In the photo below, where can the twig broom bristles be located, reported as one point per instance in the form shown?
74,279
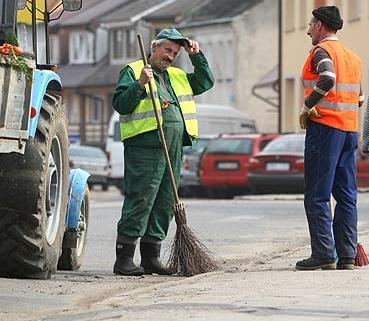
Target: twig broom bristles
188,255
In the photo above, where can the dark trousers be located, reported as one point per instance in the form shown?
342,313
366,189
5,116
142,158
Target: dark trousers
330,168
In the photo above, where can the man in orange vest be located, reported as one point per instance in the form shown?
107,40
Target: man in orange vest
332,85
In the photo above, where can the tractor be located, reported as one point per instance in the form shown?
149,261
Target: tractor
44,207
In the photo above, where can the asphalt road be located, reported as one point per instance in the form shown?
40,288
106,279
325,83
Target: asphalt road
237,231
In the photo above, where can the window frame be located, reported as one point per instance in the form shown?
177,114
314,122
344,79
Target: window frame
88,56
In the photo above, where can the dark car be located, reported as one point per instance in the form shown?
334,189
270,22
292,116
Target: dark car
92,160
279,168
189,184
225,162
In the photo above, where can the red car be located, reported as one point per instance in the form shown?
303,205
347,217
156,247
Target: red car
279,168
225,162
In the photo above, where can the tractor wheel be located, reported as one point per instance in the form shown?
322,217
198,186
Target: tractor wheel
71,259
33,200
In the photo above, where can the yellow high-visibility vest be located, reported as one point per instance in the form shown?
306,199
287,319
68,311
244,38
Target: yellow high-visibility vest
143,117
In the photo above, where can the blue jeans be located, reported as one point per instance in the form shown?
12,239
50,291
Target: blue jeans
330,168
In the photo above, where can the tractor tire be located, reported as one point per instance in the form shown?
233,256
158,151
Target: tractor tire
33,200
71,258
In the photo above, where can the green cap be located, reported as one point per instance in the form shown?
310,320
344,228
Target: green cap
172,34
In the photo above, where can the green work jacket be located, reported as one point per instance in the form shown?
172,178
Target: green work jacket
128,95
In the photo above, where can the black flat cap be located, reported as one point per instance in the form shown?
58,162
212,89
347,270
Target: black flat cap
329,15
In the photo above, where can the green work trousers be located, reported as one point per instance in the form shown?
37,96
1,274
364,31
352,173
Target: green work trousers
148,203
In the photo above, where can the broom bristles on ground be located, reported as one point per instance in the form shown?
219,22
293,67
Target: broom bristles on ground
189,256
361,257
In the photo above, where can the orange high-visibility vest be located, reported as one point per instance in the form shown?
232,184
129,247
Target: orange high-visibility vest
339,107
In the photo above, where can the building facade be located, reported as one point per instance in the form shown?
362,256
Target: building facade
295,46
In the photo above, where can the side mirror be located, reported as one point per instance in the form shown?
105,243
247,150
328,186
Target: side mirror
72,5
21,4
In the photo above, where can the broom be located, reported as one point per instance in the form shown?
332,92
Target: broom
361,258
188,256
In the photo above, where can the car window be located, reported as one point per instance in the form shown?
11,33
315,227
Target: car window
263,143
230,146
293,144
117,131
197,148
87,152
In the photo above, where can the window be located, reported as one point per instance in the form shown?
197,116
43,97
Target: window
123,44
230,146
81,47
95,111
117,132
54,49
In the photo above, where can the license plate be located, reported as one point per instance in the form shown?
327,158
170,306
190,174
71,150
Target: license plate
277,166
227,166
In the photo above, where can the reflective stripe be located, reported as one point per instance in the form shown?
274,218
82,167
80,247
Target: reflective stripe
185,98
137,116
337,106
329,61
190,116
320,91
328,74
337,87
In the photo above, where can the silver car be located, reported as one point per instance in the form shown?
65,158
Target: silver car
92,160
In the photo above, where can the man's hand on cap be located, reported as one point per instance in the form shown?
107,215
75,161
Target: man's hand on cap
192,47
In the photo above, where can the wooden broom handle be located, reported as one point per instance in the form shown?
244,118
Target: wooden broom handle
160,127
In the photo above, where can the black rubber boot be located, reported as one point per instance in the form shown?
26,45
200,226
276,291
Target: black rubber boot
316,264
124,262
346,264
150,259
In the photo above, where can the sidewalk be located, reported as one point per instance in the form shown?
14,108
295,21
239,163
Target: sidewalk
268,290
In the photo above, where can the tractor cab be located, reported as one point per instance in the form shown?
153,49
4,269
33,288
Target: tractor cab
25,23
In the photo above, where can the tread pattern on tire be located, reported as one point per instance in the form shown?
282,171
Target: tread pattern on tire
23,249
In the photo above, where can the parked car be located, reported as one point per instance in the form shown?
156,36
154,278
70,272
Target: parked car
225,163
93,160
189,184
279,168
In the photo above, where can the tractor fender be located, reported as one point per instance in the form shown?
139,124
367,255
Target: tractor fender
77,182
42,80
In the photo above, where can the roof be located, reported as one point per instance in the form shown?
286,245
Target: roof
92,10
104,75
75,75
174,10
134,10
218,9
269,79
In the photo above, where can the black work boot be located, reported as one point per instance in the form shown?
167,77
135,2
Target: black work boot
345,264
316,263
125,250
150,258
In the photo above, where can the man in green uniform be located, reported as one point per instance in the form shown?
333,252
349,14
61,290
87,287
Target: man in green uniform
148,205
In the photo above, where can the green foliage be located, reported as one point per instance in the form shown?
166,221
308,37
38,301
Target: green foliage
11,38
18,63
